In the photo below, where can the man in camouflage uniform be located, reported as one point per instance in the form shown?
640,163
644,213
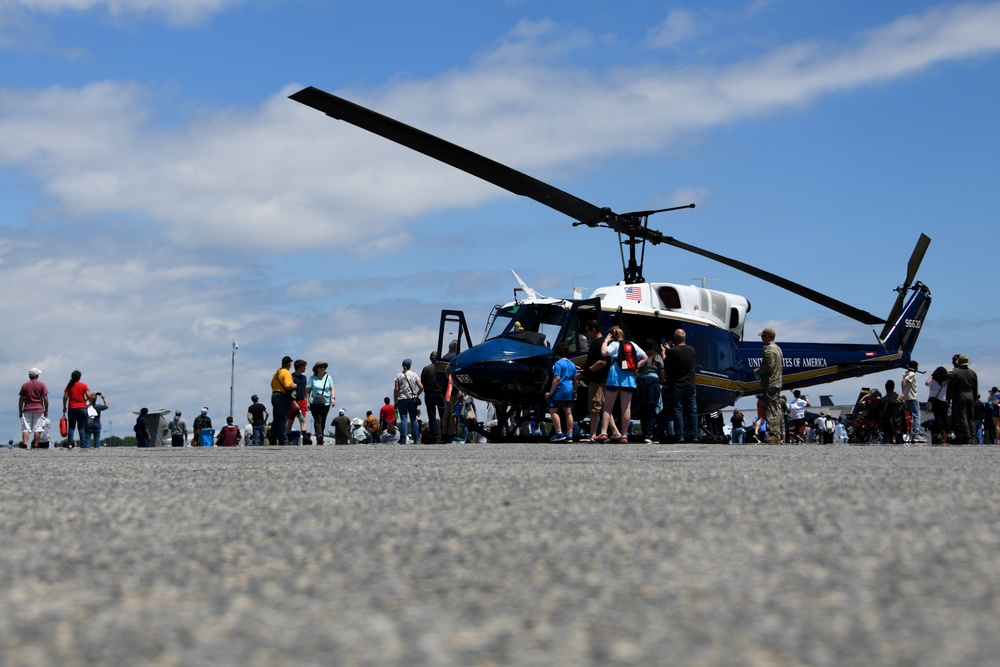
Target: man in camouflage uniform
770,384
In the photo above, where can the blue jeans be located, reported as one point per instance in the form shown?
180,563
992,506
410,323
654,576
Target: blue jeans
435,408
914,407
649,398
91,436
686,413
281,403
407,408
77,418
257,439
738,436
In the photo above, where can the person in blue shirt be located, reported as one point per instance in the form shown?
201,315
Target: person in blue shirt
562,393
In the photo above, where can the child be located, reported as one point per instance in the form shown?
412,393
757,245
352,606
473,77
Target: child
562,393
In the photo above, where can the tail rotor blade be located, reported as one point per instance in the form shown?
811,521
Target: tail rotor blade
911,273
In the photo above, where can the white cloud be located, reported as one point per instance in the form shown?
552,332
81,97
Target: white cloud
681,25
233,175
174,11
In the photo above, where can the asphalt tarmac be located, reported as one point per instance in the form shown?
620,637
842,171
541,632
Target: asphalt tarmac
501,554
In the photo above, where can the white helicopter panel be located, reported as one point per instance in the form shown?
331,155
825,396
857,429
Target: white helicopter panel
721,309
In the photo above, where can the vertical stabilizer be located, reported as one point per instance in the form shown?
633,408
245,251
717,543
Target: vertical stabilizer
901,334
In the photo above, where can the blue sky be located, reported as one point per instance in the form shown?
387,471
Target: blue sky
160,196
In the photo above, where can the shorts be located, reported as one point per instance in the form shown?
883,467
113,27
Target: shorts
302,407
32,422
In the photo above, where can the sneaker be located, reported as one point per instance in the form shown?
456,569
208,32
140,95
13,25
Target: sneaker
601,437
558,437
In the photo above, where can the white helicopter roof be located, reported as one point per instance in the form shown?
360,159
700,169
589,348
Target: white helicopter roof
686,302
720,309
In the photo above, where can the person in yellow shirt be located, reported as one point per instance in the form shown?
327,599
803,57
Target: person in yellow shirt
282,388
371,426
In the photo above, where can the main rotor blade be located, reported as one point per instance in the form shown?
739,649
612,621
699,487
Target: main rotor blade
822,299
911,272
456,156
521,184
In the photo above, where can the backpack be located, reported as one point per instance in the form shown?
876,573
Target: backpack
627,357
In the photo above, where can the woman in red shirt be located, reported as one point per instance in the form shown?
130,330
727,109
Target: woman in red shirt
75,399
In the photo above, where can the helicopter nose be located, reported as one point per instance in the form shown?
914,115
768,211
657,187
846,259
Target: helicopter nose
502,370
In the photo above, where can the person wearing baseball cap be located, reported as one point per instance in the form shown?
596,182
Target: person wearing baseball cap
909,389
770,384
32,408
963,388
282,393
406,392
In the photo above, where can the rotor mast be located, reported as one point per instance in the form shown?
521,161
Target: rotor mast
633,230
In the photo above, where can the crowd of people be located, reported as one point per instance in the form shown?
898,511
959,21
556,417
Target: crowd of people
81,412
296,398
616,371
959,415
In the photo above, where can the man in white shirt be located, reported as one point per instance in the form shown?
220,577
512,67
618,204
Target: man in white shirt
797,410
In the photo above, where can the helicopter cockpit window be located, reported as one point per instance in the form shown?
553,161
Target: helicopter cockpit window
538,324
501,321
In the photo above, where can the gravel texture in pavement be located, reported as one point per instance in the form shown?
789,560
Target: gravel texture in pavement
519,554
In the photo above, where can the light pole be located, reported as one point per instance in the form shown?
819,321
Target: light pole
232,377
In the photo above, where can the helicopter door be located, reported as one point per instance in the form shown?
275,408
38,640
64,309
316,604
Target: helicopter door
572,333
451,333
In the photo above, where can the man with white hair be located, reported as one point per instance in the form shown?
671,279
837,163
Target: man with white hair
32,407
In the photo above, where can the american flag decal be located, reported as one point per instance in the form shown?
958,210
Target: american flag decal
633,293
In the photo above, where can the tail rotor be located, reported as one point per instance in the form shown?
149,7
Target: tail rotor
911,273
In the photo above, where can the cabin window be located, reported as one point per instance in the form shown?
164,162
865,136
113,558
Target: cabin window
719,303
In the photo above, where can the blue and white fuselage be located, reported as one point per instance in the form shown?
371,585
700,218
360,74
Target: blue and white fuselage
513,364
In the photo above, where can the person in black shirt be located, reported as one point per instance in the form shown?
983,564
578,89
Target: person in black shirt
433,398
679,364
594,373
257,415
200,422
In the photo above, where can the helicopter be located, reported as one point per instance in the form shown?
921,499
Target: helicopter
512,365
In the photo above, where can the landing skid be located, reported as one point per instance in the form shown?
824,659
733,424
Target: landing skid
512,425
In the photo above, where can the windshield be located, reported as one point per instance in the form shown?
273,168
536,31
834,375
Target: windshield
538,324
499,321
